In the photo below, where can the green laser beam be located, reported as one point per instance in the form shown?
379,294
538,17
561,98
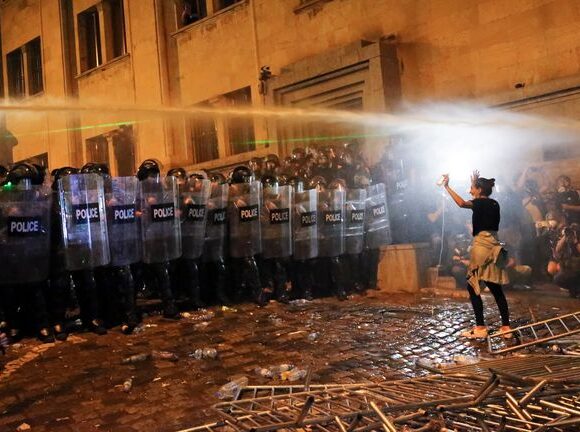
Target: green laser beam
79,128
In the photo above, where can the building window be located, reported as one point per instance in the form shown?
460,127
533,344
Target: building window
204,140
89,39
117,27
240,129
191,11
34,65
15,69
98,149
222,4
24,69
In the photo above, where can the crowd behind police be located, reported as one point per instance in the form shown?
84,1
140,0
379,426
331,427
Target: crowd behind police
309,225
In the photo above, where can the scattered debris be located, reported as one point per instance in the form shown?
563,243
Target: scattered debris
535,333
204,353
23,427
136,358
232,389
164,355
128,385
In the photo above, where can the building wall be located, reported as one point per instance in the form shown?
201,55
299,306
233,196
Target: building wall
444,50
22,21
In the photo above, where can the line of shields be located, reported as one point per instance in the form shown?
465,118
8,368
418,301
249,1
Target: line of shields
526,393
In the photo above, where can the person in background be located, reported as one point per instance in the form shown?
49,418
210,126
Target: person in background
487,257
568,198
565,266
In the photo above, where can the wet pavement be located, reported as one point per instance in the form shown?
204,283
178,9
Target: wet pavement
78,385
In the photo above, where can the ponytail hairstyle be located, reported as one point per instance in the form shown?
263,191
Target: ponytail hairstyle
486,185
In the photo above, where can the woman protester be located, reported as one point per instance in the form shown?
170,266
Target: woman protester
487,257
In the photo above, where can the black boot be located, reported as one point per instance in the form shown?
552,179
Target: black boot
59,333
96,327
45,336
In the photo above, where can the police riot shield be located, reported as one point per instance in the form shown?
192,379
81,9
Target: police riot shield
355,220
331,222
304,222
160,225
24,234
377,226
244,212
216,230
193,203
84,221
276,220
121,196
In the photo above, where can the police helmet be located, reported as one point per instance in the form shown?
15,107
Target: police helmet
297,183
242,174
101,169
148,168
217,177
200,175
60,173
317,182
361,179
298,154
179,173
269,181
25,171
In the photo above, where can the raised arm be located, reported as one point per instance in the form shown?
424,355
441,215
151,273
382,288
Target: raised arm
458,200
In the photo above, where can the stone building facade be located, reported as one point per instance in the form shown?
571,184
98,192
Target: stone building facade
369,55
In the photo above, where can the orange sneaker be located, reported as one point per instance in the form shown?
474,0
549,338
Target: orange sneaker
476,332
508,334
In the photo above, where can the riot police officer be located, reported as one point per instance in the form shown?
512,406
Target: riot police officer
305,238
60,278
193,196
24,249
160,230
276,220
117,286
85,240
245,233
354,229
214,256
331,272
377,231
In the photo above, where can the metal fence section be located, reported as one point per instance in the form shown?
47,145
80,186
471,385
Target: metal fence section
553,368
534,333
318,407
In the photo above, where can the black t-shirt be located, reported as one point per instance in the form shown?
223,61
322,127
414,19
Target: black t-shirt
485,215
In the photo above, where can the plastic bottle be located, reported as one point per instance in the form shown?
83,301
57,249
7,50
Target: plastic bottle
128,385
296,375
232,389
135,358
276,370
210,353
263,372
164,355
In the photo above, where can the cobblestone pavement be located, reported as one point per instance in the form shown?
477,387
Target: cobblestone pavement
77,385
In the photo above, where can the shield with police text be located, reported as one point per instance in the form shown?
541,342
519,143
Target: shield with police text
377,226
331,222
304,223
276,219
24,234
121,195
244,216
160,224
355,220
84,221
216,229
193,202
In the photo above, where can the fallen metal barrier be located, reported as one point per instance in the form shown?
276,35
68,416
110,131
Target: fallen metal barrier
554,368
534,333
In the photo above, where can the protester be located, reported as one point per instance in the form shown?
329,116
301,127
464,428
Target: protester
487,256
